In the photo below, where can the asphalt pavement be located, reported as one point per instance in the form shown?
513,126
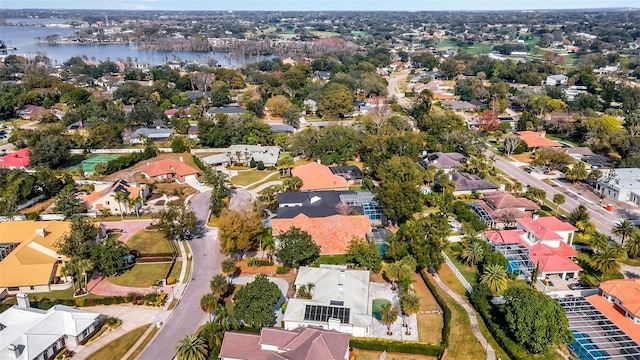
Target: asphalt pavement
603,220
187,315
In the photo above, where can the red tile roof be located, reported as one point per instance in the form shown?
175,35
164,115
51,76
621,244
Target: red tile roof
537,140
317,177
18,159
627,291
545,228
167,166
613,313
332,233
549,259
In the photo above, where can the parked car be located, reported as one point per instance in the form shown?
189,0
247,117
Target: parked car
579,286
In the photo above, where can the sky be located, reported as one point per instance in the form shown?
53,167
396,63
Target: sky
296,5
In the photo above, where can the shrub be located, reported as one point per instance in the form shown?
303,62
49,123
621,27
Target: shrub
260,166
256,262
446,311
408,347
80,302
130,296
171,280
281,270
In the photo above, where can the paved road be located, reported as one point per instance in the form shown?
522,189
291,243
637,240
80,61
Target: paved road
601,218
392,87
187,316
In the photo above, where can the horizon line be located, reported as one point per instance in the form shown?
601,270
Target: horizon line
336,10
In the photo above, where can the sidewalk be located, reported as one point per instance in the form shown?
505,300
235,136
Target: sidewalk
491,354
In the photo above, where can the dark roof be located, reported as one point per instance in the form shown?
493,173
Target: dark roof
443,160
193,130
282,128
349,172
468,182
193,95
313,204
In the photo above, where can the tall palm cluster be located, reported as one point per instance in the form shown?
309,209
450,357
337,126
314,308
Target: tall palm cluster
207,342
399,274
474,252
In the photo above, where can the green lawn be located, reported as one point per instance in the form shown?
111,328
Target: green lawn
469,273
273,177
118,347
141,275
150,242
247,177
62,294
175,272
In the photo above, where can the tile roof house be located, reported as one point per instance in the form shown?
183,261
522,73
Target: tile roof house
332,233
339,300
168,170
499,209
28,333
303,343
16,160
548,242
467,183
29,260
619,301
443,161
103,197
316,176
536,140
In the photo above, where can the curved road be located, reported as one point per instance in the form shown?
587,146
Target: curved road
187,316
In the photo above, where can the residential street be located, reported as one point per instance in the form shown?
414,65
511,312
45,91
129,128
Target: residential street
393,89
603,219
187,316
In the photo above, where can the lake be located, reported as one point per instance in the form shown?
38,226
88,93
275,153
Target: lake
24,38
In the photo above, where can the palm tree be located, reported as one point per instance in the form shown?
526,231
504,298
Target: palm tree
558,199
229,267
71,269
473,253
133,202
269,246
410,304
623,229
598,241
192,347
388,315
84,265
394,272
495,278
120,198
213,334
225,319
633,245
606,260
208,303
219,285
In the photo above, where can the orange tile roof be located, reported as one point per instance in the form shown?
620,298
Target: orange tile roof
167,166
613,313
625,290
332,233
317,177
546,227
537,140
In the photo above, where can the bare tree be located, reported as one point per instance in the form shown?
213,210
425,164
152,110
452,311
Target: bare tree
510,144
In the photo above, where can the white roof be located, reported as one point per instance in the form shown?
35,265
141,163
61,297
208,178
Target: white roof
626,178
333,283
34,330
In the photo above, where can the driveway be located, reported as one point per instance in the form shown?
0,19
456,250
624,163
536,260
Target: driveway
195,183
187,316
630,272
241,200
130,227
100,285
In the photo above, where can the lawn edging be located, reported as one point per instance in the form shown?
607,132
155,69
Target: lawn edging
397,346
446,311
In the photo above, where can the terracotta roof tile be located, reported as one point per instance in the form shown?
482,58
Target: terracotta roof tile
537,140
545,228
613,313
317,176
332,233
625,290
19,158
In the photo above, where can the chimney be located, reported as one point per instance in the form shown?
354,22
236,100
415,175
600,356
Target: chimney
340,287
536,217
181,159
23,300
342,273
41,232
14,350
543,134
501,187
318,161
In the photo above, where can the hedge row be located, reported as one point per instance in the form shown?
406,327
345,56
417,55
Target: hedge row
398,346
199,163
46,303
126,161
446,311
482,305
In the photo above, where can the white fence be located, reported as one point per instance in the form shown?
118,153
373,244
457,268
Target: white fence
30,202
455,270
